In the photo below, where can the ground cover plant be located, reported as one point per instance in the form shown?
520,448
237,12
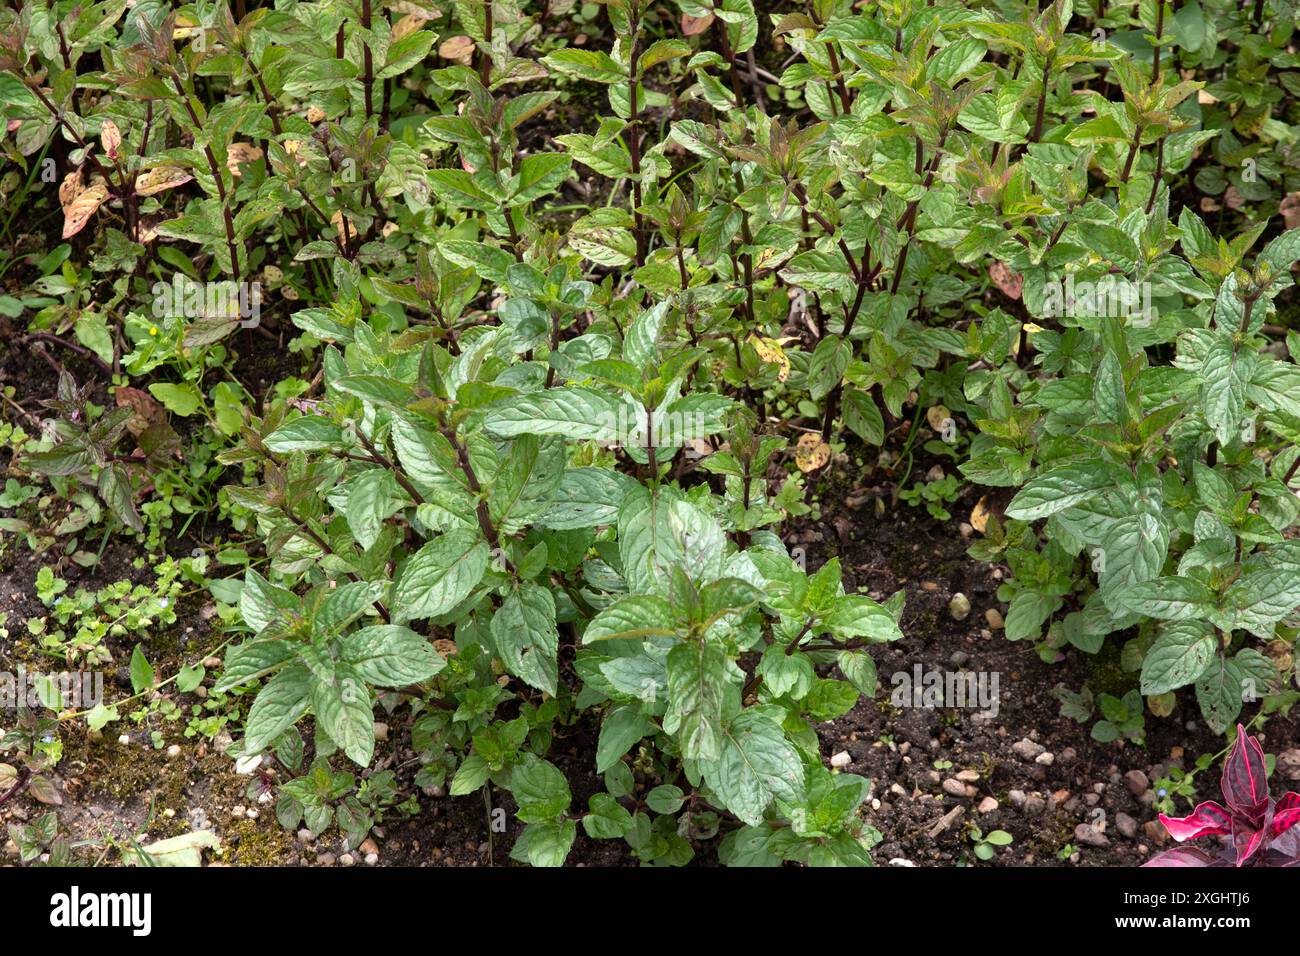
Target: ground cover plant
512,379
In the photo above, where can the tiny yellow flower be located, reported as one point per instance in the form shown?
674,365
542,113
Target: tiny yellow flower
153,330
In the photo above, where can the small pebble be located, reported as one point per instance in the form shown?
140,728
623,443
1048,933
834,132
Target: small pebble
1137,782
1090,836
954,788
1027,749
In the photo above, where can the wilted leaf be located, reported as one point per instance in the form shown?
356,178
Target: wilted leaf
457,49
936,415
160,178
71,187
347,231
408,25
145,411
694,26
239,153
184,850
1011,283
811,452
1290,210
43,789
110,138
78,212
770,351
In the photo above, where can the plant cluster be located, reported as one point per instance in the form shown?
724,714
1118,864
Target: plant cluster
560,394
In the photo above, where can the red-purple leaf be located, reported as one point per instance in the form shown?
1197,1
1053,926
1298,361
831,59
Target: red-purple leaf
1181,856
1245,779
1286,814
1208,819
1247,840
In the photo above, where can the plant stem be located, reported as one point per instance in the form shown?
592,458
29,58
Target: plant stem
1042,99
1160,171
382,459
81,350
909,217
746,257
324,545
24,777
471,479
485,58
215,170
634,143
1290,472
1132,153
845,100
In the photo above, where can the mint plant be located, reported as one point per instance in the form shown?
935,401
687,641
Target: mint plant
514,337
1151,483
458,495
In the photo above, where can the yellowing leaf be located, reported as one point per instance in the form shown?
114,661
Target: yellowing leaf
346,230
78,212
457,49
693,26
239,153
110,138
407,25
770,351
936,415
1290,210
292,147
979,515
1011,283
71,187
147,228
811,453
160,178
